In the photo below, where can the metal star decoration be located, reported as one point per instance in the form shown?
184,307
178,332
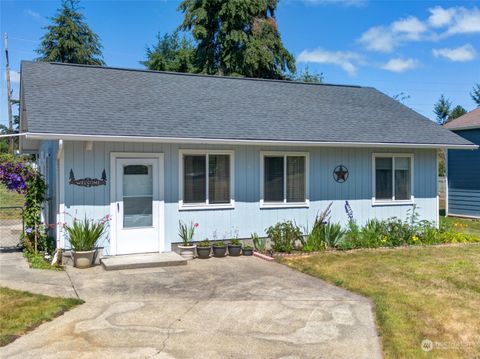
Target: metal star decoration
340,174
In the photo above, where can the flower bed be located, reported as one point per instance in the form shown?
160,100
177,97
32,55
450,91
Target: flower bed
286,236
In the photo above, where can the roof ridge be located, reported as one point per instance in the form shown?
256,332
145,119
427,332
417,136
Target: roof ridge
200,75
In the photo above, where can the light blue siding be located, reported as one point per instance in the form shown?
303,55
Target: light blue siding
464,178
48,167
247,216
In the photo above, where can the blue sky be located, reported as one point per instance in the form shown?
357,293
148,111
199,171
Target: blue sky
421,48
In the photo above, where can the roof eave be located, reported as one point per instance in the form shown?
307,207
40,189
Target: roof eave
219,141
461,128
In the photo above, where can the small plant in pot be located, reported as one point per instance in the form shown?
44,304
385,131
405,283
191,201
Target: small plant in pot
203,249
83,236
247,250
186,232
219,249
234,248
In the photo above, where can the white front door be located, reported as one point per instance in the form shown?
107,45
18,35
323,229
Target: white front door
137,205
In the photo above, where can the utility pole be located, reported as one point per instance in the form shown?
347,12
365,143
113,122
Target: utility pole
9,93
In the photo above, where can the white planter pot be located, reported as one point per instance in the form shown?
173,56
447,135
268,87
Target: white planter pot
187,252
83,259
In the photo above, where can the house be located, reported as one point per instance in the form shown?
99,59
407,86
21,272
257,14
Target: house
234,155
463,169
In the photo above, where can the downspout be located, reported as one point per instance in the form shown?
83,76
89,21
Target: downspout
61,203
446,182
60,149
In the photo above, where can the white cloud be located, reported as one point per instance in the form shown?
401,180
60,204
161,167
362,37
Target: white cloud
411,27
387,38
378,38
14,77
400,65
442,22
440,17
348,61
35,15
460,54
465,21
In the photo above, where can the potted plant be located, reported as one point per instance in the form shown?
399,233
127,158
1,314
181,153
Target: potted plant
234,248
247,250
203,249
186,232
219,249
83,236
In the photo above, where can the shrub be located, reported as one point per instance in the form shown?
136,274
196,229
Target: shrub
313,241
19,176
260,244
219,244
235,242
284,236
332,234
38,261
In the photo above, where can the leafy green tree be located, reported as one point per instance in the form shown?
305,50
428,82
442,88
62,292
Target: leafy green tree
475,94
456,112
171,53
442,110
401,97
307,76
4,130
237,38
69,39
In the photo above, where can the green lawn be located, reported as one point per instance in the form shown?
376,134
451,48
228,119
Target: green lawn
23,311
10,199
471,226
418,293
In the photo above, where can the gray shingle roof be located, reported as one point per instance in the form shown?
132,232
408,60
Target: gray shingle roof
90,100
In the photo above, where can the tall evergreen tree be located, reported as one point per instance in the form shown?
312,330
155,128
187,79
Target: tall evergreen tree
475,94
171,53
442,110
238,38
69,39
456,112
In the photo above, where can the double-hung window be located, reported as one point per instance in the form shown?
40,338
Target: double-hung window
392,178
284,179
206,179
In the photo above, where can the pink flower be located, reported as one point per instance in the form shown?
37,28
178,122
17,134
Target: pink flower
196,225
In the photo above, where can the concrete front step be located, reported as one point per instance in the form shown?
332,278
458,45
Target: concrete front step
131,261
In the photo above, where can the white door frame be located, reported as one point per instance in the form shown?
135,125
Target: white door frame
113,196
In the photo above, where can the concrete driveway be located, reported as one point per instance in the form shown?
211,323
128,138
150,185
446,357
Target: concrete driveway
217,308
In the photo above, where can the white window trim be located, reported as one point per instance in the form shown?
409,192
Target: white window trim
205,206
393,201
285,204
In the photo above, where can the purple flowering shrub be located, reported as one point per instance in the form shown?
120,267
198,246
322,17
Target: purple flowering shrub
22,178
14,175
